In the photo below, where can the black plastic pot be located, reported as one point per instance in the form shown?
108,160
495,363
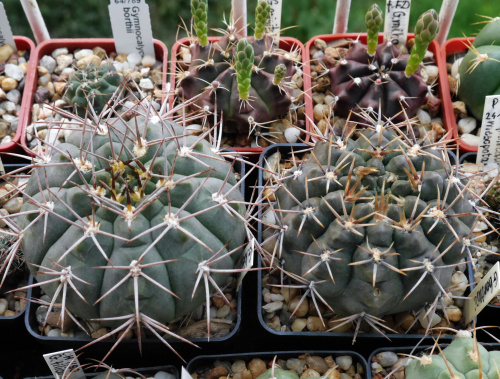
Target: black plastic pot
415,351
310,339
489,315
149,345
11,325
205,361
146,371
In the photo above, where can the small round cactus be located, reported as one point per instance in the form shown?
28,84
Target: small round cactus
477,67
92,85
240,79
381,75
463,358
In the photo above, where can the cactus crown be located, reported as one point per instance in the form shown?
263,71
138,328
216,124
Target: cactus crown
262,13
199,10
374,21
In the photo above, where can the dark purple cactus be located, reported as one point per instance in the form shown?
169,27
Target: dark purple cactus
212,73
359,80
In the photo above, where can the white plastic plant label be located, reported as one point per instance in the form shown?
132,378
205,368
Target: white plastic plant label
489,147
6,36
397,18
131,25
485,291
185,374
59,361
274,24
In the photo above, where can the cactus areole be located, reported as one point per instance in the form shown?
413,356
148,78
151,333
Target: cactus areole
370,75
371,225
239,79
134,216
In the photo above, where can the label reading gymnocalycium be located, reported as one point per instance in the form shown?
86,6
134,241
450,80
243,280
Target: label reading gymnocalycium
246,261
486,290
274,23
131,25
6,36
489,146
397,18
64,362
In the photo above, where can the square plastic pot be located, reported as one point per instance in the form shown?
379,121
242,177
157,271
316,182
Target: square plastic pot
127,345
286,43
433,47
489,315
108,44
22,43
450,47
11,325
203,361
298,339
146,371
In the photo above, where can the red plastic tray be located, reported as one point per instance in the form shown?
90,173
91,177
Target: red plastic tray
108,44
454,45
286,43
22,43
433,47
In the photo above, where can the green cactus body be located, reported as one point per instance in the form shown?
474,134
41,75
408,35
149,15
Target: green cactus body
217,67
278,374
370,230
462,356
369,75
164,164
199,10
94,85
478,69
262,13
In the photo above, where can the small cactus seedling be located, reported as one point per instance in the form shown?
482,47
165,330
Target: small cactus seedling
370,226
241,81
479,67
372,74
92,84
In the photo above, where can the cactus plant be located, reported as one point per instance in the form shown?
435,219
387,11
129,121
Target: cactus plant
483,58
131,223
92,84
463,358
372,226
242,80
368,75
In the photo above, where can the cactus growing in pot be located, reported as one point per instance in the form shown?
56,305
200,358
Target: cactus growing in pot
483,58
241,80
369,74
131,223
372,226
463,358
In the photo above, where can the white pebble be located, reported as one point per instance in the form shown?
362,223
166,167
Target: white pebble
146,84
3,306
273,307
118,66
458,283
471,139
292,135
14,96
387,358
48,62
134,59
318,54
43,80
480,226
432,72
54,333
344,361
492,167
14,71
163,375
424,319
60,51
467,125
148,61
424,117
83,53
